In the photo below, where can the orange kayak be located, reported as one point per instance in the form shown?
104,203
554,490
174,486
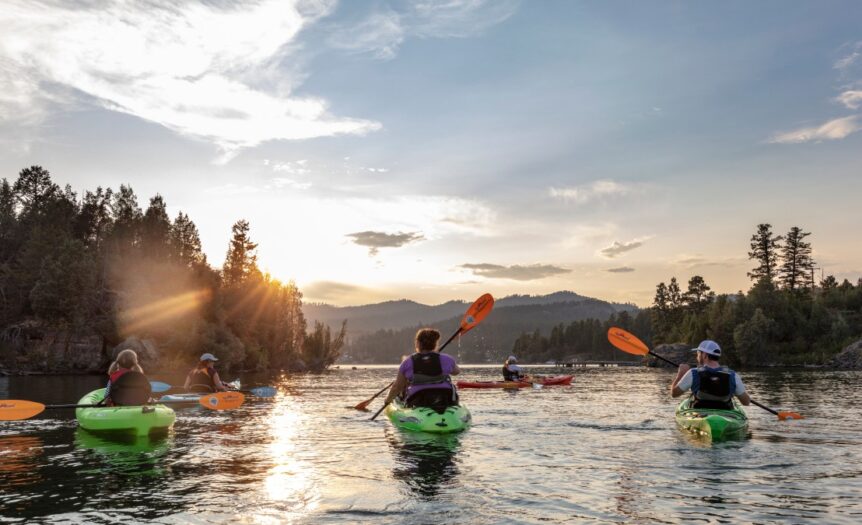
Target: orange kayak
545,381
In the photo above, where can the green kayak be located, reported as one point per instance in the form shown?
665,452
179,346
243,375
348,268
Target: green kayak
424,419
137,420
715,424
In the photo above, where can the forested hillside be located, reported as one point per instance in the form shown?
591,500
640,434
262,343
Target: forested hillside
80,274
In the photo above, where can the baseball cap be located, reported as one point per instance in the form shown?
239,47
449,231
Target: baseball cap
708,347
208,357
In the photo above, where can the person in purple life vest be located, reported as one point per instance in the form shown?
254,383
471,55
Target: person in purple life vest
424,379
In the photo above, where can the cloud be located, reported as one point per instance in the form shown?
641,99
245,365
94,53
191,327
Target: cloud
599,189
835,129
382,33
284,182
516,272
376,240
330,290
692,261
850,58
233,189
621,269
203,69
618,248
851,99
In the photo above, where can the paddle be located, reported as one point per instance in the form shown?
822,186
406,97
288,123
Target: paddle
630,344
261,391
17,409
478,311
364,405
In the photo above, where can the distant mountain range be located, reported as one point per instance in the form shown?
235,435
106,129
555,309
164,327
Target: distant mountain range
394,315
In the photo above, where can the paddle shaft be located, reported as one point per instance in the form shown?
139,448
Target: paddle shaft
440,350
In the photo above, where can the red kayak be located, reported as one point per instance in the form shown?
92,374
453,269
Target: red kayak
545,381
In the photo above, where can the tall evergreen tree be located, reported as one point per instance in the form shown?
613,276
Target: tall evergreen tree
185,241
698,294
126,215
156,229
241,259
94,221
764,250
8,219
34,187
797,265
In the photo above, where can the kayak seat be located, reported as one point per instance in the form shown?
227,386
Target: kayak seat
437,399
130,389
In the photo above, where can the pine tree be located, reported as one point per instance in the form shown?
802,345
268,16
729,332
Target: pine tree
156,229
8,218
241,259
698,294
186,242
764,250
94,221
797,265
33,188
126,215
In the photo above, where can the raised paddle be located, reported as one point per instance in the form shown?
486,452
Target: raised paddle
17,409
630,344
478,311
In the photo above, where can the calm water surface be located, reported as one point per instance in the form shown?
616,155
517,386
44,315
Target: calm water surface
603,450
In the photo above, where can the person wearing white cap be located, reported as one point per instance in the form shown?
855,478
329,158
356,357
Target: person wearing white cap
203,377
711,385
511,370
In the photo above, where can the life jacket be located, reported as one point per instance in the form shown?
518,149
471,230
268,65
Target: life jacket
508,375
201,379
427,369
713,387
128,388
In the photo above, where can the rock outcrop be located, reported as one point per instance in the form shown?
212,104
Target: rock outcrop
850,358
148,353
30,348
676,352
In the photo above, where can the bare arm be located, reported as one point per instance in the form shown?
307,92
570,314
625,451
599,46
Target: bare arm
675,391
745,399
217,382
397,388
455,370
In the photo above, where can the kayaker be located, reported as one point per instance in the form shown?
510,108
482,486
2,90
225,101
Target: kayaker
425,378
711,385
203,377
127,384
511,370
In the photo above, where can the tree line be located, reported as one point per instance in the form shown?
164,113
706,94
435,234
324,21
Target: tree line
786,318
99,264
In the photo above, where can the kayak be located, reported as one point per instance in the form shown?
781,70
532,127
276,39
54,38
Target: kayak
137,420
424,419
712,423
181,400
546,381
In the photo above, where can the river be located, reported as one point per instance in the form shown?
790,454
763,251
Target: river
603,450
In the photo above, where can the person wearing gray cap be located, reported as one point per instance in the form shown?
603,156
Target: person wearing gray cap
711,385
511,370
203,377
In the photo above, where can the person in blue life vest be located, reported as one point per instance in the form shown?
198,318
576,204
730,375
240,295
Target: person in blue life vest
203,377
127,384
424,379
511,370
711,385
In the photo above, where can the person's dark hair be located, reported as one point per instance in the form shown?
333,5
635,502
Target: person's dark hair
127,358
426,339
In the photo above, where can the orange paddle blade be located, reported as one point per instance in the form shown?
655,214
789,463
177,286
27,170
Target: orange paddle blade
364,405
15,409
626,341
222,400
477,311
789,415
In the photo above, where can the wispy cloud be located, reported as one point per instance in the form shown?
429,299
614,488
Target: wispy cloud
195,68
851,98
697,260
618,248
835,129
599,189
382,33
621,269
852,56
516,272
376,240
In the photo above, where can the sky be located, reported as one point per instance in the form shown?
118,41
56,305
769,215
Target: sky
437,150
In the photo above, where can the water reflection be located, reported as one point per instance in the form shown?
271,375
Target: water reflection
19,461
130,455
425,463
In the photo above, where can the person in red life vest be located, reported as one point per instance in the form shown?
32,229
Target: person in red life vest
127,384
203,377
424,378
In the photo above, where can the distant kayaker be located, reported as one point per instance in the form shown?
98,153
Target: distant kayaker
511,370
127,384
203,377
711,385
424,379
